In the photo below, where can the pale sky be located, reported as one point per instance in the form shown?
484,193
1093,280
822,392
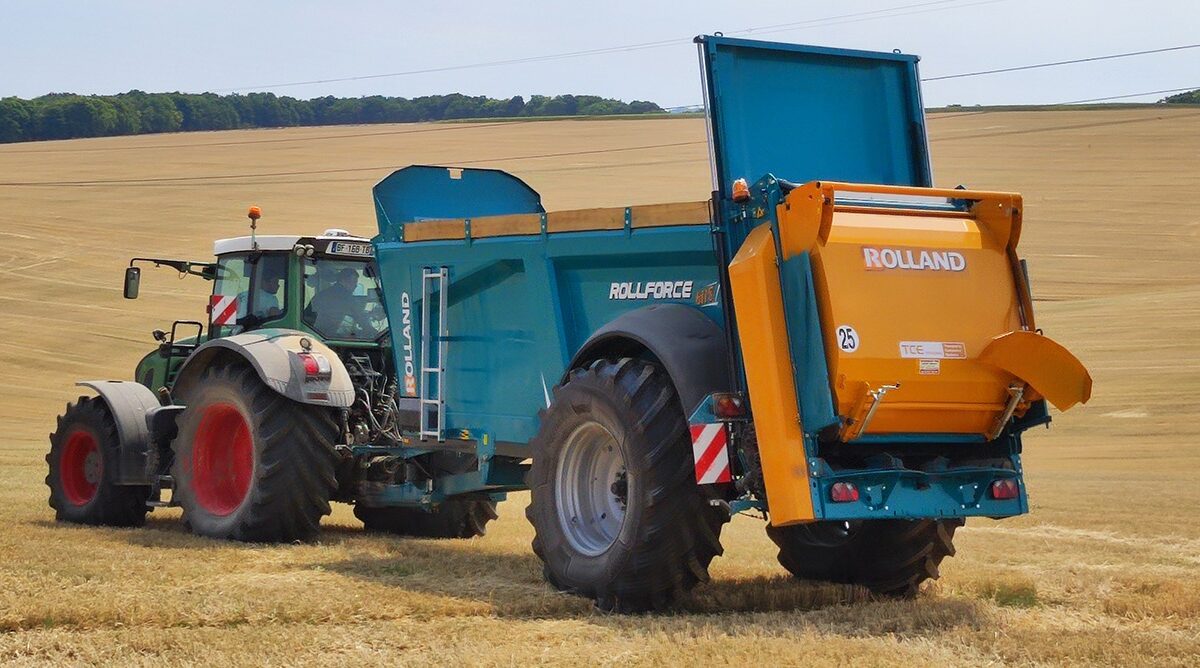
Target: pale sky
211,45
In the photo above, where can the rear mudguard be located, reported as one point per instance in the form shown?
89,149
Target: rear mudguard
272,353
689,345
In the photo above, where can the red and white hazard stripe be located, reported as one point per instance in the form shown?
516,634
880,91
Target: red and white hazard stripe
224,309
711,455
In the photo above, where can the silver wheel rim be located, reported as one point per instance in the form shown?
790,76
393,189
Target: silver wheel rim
591,489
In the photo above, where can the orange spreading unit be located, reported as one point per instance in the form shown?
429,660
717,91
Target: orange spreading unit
922,323
927,321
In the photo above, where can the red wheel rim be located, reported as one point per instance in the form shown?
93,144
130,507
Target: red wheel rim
222,459
81,467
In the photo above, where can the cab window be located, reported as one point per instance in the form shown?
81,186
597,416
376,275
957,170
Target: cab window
258,286
233,280
266,300
341,299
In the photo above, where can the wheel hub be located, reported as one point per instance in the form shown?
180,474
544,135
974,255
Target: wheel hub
591,489
91,467
81,467
222,459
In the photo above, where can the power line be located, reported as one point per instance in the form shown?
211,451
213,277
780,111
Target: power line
1056,128
1122,97
1056,63
762,29
776,29
839,19
1060,62
1000,108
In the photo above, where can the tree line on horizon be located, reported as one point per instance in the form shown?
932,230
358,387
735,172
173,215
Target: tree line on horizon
1190,97
71,116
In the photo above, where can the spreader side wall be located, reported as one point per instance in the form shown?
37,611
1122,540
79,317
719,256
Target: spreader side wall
519,307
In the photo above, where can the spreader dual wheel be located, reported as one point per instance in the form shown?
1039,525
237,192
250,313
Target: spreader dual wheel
616,510
889,557
83,466
250,464
456,518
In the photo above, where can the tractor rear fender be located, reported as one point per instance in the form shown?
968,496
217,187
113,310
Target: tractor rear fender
688,344
129,403
274,354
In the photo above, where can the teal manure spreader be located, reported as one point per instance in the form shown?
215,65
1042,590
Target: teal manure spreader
828,341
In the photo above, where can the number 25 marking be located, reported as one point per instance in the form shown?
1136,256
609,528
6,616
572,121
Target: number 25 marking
847,338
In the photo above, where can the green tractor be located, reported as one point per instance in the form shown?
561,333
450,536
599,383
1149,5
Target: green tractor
283,401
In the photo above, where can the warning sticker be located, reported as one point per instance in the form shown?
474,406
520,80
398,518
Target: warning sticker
930,367
928,350
224,309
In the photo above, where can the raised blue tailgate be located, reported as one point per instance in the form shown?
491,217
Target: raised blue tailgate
806,113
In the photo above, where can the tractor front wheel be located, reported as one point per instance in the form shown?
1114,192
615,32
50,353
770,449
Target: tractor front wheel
83,462
889,557
251,464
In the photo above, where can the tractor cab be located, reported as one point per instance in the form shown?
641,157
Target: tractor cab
325,285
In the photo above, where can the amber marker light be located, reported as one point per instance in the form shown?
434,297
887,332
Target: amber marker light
741,191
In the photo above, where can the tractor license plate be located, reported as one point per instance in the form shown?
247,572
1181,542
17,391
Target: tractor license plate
347,248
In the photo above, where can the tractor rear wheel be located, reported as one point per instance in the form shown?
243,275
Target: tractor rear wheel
83,461
617,514
251,464
889,557
455,518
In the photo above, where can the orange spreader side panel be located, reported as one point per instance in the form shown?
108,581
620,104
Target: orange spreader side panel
757,296
914,300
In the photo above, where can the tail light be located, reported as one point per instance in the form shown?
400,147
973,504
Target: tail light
1005,488
843,492
316,366
728,406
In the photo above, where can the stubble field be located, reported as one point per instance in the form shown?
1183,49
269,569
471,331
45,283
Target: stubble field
1105,570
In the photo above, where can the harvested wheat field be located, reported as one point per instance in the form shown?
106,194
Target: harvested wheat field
1105,570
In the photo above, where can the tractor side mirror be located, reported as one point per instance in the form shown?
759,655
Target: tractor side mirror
133,277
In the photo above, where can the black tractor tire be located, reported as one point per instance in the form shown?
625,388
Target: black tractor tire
889,557
455,518
84,458
250,464
660,543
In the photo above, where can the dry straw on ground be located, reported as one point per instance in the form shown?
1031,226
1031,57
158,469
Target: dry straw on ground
1105,570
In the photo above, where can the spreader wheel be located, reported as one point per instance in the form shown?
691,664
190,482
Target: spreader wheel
889,557
615,507
251,464
83,467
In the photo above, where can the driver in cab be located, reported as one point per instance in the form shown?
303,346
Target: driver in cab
337,310
266,306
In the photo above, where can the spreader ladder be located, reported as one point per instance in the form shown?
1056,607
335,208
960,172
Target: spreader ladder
432,389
